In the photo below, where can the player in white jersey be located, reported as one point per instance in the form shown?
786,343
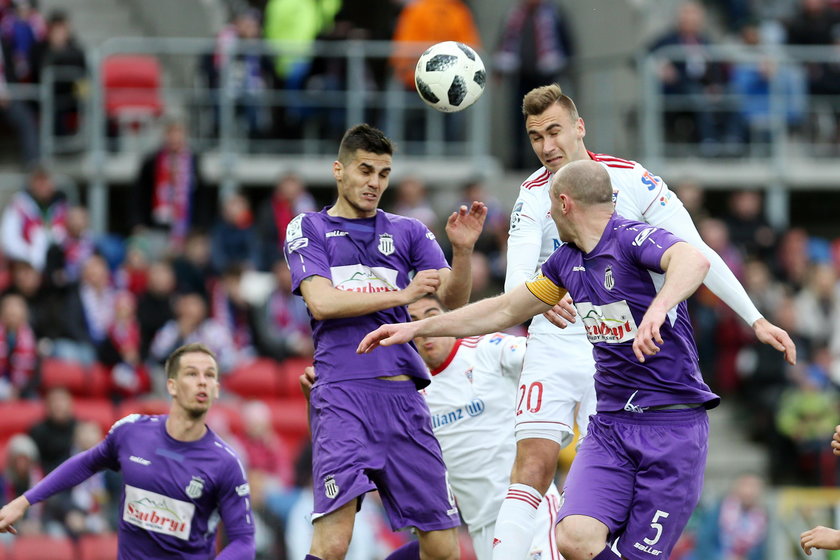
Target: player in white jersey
558,370
470,398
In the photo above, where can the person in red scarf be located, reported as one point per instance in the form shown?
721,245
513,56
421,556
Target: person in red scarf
34,219
19,376
169,198
288,199
120,351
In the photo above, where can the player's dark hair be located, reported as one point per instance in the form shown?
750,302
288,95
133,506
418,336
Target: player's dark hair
538,100
173,362
584,181
436,299
366,138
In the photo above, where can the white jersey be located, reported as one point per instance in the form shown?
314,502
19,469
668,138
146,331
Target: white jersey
639,195
471,400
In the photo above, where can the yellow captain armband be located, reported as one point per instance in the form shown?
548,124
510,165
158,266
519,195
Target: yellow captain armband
546,290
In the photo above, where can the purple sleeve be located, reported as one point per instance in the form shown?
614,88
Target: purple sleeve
305,252
74,470
235,509
426,253
554,264
648,246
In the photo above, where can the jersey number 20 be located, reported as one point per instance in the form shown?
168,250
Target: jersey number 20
531,397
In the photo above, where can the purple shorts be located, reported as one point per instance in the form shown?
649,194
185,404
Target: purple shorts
641,475
373,434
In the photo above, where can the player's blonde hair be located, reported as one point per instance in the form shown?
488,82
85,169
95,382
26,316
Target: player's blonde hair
539,99
173,362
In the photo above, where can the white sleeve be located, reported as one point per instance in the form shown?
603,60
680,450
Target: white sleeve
720,280
512,356
14,246
524,242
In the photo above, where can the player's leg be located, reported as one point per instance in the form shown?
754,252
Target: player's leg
439,545
331,533
549,389
482,541
580,537
544,545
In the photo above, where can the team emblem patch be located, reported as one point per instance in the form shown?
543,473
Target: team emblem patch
195,488
330,487
609,281
386,244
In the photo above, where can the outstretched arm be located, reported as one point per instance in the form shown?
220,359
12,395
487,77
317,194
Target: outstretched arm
463,229
820,537
483,317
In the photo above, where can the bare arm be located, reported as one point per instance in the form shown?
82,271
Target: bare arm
327,302
685,268
483,317
462,228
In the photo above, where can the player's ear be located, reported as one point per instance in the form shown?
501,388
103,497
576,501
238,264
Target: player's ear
338,170
170,386
581,128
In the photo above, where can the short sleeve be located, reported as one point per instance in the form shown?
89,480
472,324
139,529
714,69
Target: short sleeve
305,250
425,251
648,244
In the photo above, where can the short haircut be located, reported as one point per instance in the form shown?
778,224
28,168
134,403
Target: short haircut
585,181
366,138
538,100
435,298
173,362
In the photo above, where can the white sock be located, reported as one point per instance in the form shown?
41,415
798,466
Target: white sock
515,522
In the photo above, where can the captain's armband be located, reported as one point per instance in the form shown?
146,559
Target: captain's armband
544,289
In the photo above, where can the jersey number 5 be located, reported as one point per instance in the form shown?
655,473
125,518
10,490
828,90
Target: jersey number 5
534,393
656,526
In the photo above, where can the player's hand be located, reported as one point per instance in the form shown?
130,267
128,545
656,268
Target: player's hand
563,313
768,333
11,513
820,537
387,335
647,337
835,441
424,283
464,226
307,380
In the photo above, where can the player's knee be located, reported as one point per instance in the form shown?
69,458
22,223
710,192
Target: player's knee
439,545
576,539
331,546
535,464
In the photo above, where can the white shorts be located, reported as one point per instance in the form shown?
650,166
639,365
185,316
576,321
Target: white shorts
557,376
544,545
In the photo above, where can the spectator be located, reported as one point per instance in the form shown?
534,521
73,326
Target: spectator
493,239
736,526
233,239
793,258
22,29
61,51
812,24
763,289
694,82
22,471
42,306
818,305
535,48
413,202
749,230
265,453
133,272
169,197
192,268
54,434
283,326
693,197
66,258
19,371
34,219
191,324
120,351
154,307
288,199
17,113
373,20
86,510
231,310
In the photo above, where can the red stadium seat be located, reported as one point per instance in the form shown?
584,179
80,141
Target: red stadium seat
99,382
257,379
63,373
42,547
143,406
289,419
132,85
290,370
100,411
98,547
18,416
229,413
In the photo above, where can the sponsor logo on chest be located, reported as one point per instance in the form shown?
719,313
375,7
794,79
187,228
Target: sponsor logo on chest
611,323
158,513
361,278
472,409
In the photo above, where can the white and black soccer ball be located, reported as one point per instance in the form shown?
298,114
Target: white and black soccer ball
449,76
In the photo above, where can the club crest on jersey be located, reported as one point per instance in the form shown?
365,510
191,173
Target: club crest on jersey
195,488
609,280
330,487
469,374
386,244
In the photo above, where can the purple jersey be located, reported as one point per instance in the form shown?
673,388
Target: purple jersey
175,492
361,255
612,287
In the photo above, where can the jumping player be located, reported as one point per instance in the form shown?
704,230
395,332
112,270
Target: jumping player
638,473
558,366
352,263
179,476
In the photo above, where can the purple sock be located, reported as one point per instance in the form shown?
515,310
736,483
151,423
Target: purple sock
606,554
410,551
310,557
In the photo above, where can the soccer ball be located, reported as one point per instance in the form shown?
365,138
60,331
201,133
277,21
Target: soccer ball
449,76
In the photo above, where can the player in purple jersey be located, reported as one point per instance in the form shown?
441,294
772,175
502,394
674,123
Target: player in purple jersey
179,477
357,267
639,472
